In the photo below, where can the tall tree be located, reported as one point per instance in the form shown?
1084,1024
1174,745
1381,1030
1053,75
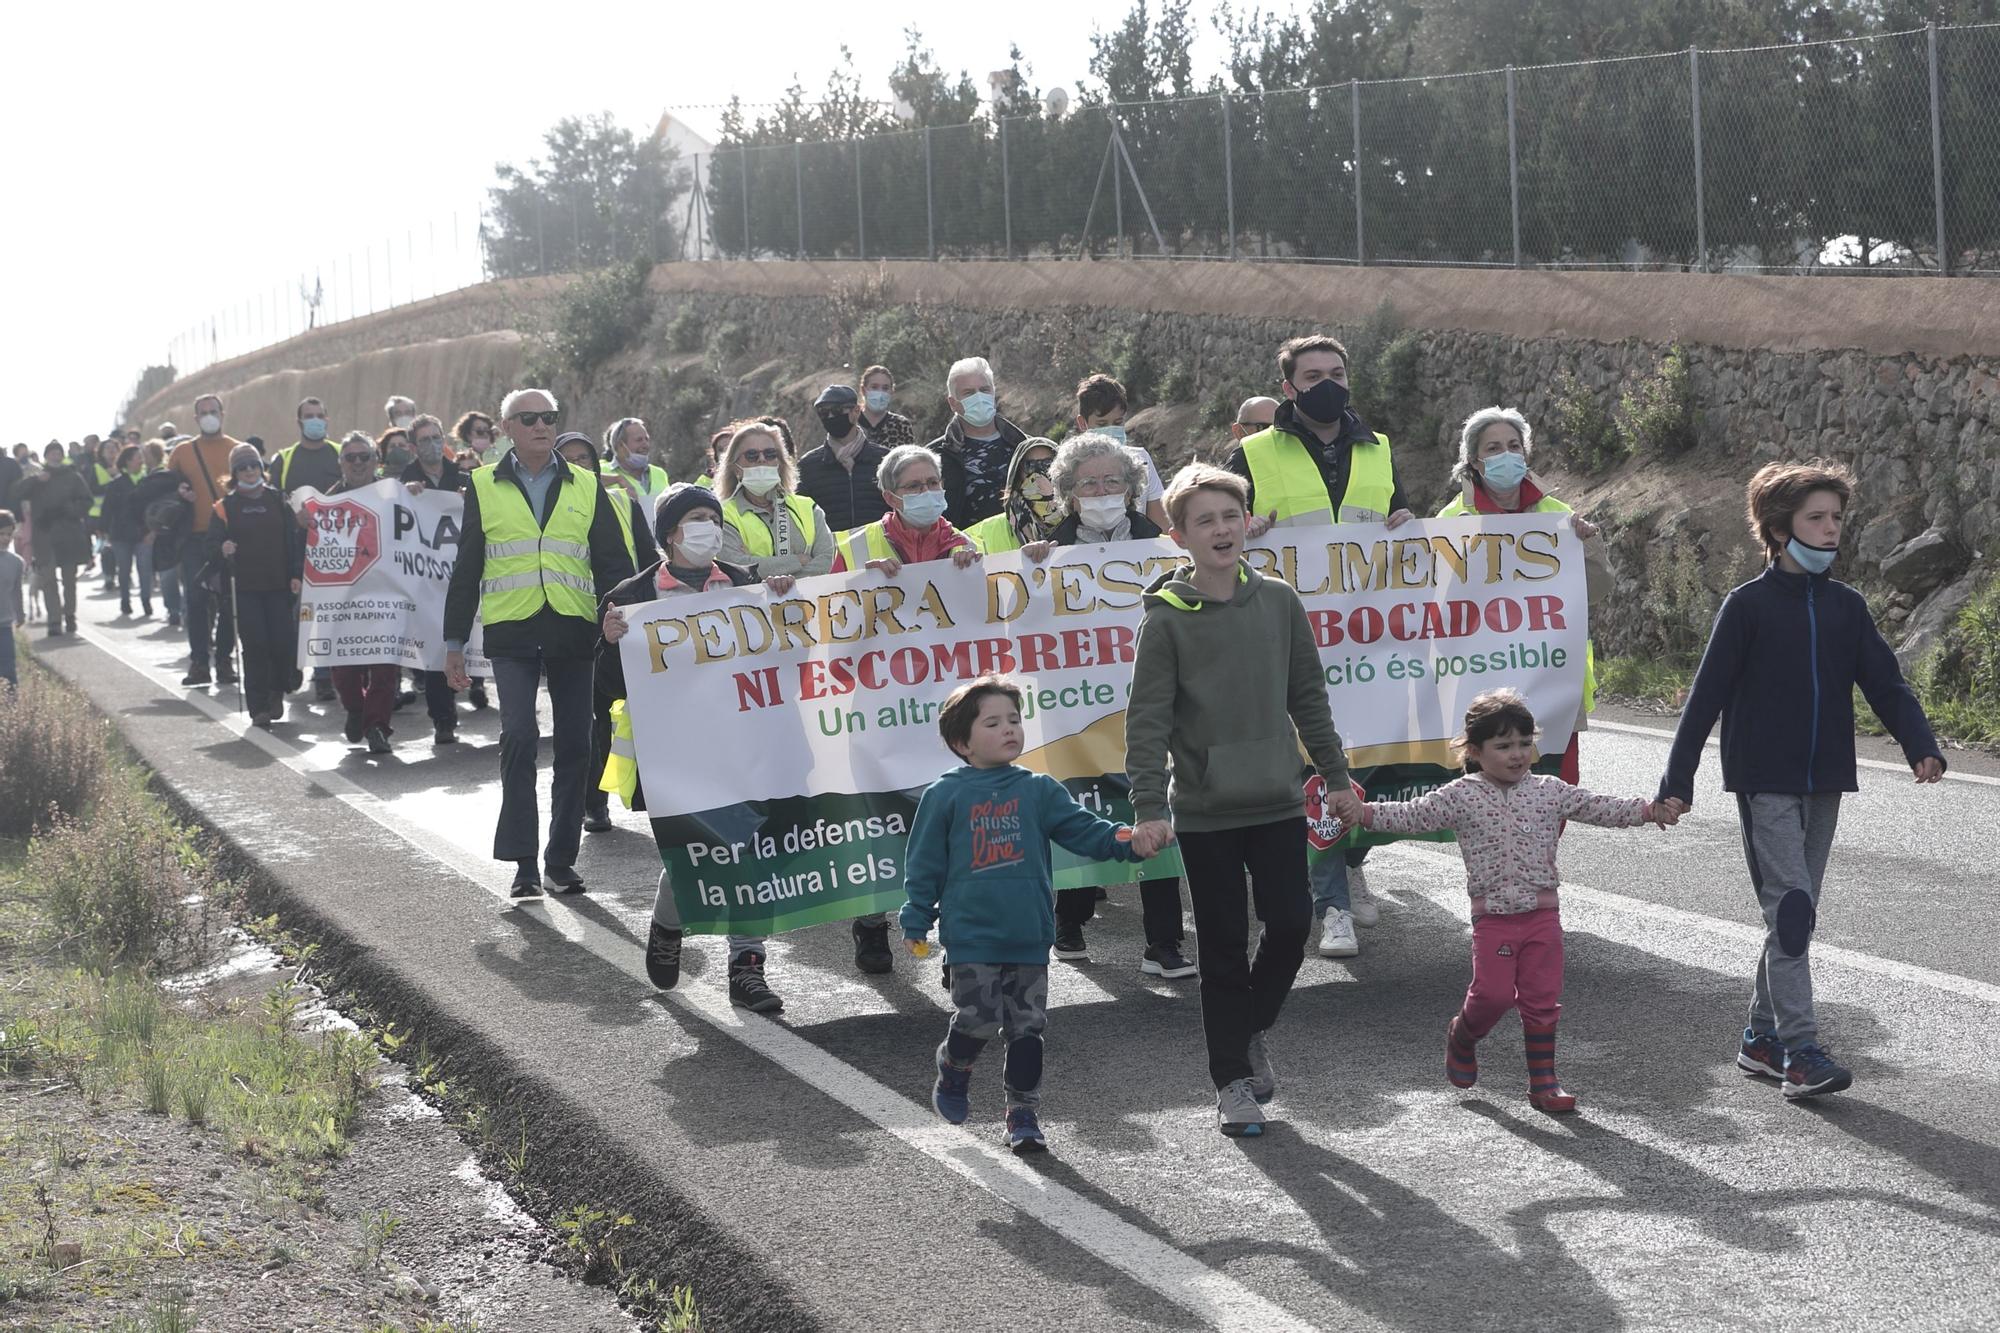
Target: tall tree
600,195
921,84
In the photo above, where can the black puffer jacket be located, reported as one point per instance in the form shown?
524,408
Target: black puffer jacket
849,499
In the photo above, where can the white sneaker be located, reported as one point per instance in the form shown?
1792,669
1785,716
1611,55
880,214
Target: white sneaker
1336,935
1360,903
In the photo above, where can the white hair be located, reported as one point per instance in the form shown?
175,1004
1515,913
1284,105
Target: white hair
1080,449
889,472
1468,437
389,408
507,403
614,434
966,365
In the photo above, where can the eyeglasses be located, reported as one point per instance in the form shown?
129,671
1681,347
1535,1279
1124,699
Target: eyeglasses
919,487
546,418
423,440
368,457
1099,486
760,455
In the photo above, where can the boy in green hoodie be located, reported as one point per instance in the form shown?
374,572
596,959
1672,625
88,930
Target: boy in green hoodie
1226,683
978,867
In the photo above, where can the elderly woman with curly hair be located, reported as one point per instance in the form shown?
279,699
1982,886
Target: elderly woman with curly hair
1100,490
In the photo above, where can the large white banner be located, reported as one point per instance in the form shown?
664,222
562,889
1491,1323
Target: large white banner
378,564
834,688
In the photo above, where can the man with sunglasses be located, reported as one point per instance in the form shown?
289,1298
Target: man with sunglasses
539,548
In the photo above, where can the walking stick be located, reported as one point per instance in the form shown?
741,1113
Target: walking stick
236,641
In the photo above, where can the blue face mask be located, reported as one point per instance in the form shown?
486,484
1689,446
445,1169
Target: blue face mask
924,508
1110,432
878,400
977,408
1812,559
313,428
1503,472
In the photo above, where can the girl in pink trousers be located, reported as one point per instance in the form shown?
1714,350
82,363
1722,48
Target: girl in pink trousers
1508,820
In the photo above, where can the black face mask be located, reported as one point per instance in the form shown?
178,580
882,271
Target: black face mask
1325,402
835,423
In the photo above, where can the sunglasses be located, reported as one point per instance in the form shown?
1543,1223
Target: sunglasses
760,455
358,458
546,418
249,467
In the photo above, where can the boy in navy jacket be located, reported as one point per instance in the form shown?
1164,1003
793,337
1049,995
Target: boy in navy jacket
978,867
1787,650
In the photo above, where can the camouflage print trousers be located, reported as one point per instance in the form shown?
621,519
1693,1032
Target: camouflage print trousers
1009,1000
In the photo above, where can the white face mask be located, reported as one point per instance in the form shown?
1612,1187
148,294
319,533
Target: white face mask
1101,511
403,421
699,542
210,423
760,480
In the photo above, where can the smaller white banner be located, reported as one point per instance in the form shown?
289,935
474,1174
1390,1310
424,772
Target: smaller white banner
378,565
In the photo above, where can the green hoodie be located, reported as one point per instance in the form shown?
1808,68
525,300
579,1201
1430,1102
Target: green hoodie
1224,692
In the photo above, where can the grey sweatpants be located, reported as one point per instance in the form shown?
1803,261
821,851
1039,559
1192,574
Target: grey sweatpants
1787,839
995,999
667,912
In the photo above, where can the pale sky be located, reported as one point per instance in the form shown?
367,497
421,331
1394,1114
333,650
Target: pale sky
173,162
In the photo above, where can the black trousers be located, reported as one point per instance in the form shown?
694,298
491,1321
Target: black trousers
269,635
1241,996
1159,905
206,613
595,798
518,680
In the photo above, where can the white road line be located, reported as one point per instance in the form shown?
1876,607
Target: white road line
1714,743
1448,891
1214,1297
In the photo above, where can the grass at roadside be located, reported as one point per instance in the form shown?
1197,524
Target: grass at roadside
171,1133
105,1070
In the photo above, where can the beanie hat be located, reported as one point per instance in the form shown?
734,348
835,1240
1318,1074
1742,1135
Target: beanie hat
675,504
241,454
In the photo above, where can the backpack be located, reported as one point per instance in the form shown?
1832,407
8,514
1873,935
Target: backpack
161,514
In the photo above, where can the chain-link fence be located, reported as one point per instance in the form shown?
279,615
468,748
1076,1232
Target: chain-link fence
1868,155
1873,155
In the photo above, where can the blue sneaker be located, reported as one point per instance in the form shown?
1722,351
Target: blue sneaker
1762,1055
1024,1132
1811,1072
952,1097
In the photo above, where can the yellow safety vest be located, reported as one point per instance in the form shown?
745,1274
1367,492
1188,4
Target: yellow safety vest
528,566
1286,478
861,545
993,535
621,767
621,509
656,477
97,501
755,533
1461,506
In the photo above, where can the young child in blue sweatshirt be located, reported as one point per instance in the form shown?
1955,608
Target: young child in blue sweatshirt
1780,669
978,868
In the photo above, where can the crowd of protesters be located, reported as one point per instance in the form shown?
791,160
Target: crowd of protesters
563,530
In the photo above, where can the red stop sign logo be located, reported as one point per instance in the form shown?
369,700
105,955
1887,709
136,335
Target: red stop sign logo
1323,827
343,541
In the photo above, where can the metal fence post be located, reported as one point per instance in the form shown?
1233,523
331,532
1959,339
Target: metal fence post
930,200
1937,156
799,191
860,211
1228,174
1700,210
1360,229
1006,191
743,155
1117,189
1514,166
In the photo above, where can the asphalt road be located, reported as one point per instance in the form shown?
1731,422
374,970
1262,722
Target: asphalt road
792,1170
